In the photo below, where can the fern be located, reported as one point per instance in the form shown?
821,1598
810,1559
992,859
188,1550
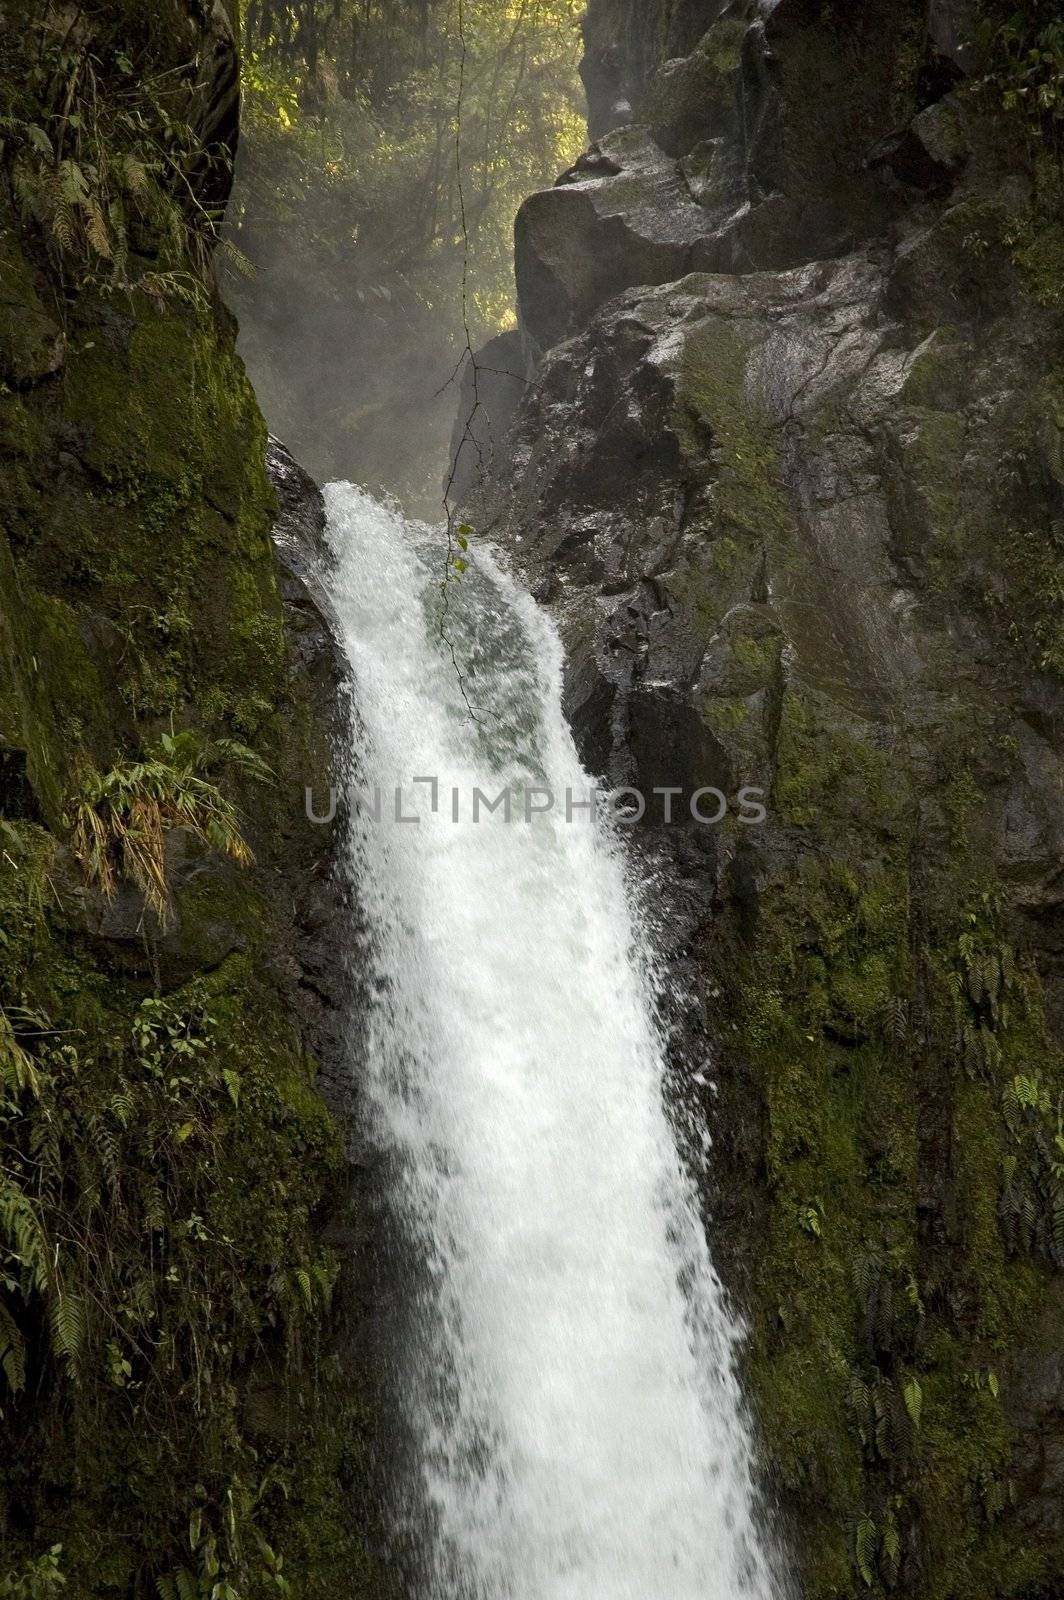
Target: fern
121,1107
914,1402
122,819
67,1322
22,1235
235,257
306,1290
155,1212
133,175
896,1018
1057,1227
890,1550
865,1547
96,229
859,1395
17,1071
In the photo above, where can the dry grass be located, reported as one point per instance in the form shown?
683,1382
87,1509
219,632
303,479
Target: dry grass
122,817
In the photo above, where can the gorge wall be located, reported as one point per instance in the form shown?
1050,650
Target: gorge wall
177,1410
789,472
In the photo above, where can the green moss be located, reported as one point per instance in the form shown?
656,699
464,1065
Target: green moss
723,44
173,1149
937,378
185,1150
714,417
823,764
939,475
851,1307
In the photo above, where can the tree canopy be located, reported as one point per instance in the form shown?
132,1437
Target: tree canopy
387,146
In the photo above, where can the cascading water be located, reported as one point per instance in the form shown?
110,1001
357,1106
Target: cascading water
570,1383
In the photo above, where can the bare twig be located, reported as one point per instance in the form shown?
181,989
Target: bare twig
469,355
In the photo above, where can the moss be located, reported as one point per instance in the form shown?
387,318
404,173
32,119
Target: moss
939,475
937,378
823,764
187,1150
173,1149
723,44
714,417
852,1303
152,546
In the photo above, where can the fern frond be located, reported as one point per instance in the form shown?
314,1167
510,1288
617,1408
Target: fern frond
122,1107
865,1546
914,1402
67,1321
96,230
133,175
890,1551
187,1587
123,817
896,1018
155,1214
17,1071
236,258
306,1290
22,1235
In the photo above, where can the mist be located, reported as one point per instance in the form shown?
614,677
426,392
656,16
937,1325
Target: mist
385,150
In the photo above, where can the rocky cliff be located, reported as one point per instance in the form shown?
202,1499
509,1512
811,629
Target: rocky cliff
790,474
174,1198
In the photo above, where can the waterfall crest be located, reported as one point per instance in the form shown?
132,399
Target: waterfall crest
570,1383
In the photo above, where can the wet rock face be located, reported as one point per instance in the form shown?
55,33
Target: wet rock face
774,141
316,966
492,389
789,476
726,488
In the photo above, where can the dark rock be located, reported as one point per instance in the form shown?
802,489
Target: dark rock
17,799
32,344
628,216
493,386
698,97
318,975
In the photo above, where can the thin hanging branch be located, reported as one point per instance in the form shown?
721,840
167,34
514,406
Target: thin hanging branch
469,356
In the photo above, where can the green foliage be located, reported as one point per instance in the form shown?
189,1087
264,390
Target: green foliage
876,1347
155,1237
1022,46
166,1167
1032,1171
39,1579
122,817
99,155
865,1548
360,177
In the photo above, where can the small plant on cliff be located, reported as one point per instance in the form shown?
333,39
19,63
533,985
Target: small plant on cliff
122,817
99,157
38,1579
1022,48
17,1071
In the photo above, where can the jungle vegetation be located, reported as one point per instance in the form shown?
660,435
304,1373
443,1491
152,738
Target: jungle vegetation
386,148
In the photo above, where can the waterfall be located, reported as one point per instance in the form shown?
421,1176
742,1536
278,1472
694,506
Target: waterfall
570,1381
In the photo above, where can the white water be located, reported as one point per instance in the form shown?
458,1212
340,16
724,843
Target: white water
570,1384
